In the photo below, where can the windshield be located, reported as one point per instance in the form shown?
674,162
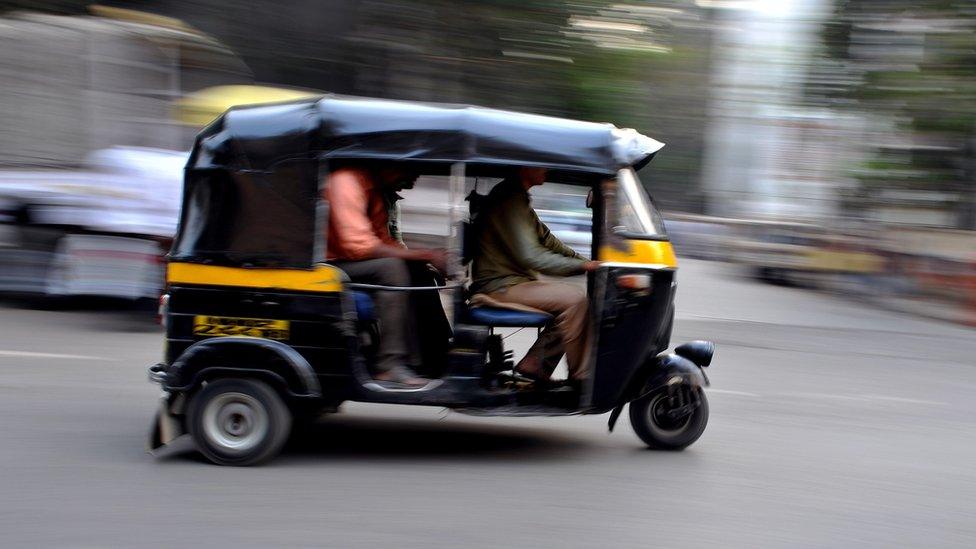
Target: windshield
636,214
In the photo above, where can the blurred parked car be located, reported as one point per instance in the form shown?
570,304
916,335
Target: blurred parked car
698,236
801,254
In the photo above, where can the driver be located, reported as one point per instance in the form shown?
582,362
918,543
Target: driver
514,248
361,244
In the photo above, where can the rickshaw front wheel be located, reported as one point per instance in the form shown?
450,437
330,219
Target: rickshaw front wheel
239,422
659,421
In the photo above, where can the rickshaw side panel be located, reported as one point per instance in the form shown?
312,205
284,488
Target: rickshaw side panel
632,326
265,359
239,218
309,323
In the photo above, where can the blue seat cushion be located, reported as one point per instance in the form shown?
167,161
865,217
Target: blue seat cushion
482,316
365,309
505,318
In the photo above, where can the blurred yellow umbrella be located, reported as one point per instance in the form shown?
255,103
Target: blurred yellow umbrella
201,107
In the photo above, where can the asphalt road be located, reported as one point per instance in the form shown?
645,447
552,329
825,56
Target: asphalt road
833,425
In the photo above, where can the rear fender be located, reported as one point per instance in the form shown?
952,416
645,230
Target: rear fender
166,426
669,370
243,356
657,373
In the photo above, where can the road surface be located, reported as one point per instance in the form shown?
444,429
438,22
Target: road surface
833,425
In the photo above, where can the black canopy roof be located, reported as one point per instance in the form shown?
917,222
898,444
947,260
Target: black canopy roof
257,137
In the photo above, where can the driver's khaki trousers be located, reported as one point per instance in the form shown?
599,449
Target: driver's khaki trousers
569,332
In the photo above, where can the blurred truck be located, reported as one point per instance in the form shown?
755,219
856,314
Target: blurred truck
90,168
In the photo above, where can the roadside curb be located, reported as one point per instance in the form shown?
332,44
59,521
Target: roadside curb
931,309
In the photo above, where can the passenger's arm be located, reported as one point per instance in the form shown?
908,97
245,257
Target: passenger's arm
437,258
516,222
347,207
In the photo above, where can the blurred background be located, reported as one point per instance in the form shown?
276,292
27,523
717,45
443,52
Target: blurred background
819,183
818,143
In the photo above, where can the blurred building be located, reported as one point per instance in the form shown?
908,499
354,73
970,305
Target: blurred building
768,154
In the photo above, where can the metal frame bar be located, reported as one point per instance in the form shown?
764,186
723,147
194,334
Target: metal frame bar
458,213
319,243
358,286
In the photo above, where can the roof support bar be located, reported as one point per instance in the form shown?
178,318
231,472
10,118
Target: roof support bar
458,213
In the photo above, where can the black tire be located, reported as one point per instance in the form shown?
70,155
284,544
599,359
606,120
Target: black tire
660,435
239,422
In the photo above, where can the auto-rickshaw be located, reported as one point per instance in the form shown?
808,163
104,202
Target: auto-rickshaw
261,330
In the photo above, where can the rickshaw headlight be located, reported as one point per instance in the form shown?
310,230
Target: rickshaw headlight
639,282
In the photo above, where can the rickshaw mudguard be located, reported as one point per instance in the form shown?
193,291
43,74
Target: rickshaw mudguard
243,355
657,373
165,428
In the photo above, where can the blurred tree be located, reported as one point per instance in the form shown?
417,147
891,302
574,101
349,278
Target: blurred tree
910,66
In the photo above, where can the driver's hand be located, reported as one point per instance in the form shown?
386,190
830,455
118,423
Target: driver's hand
591,266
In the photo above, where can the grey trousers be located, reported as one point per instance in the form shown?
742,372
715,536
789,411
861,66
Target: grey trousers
414,331
392,308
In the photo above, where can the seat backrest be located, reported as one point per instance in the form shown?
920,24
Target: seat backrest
469,245
475,201
469,242
469,236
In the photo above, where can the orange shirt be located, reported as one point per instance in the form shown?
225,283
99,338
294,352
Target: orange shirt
358,218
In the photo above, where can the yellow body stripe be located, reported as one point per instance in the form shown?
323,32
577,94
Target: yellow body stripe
322,278
642,252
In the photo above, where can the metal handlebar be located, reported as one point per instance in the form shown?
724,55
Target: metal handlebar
358,286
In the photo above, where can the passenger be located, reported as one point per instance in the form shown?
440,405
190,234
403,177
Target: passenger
361,244
514,247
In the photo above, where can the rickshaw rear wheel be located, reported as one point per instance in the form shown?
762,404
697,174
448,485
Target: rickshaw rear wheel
239,422
650,418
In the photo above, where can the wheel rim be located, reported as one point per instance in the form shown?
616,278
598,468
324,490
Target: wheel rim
235,422
660,423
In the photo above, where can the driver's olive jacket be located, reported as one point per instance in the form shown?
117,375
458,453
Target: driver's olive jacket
513,245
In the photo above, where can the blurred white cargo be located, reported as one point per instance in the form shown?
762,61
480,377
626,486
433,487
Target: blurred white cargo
97,231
